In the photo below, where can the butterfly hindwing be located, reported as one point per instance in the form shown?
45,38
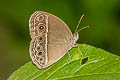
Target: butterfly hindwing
38,50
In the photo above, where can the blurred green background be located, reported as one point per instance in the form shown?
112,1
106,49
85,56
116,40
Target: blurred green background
103,17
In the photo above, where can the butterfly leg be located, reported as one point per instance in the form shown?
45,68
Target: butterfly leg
69,56
77,45
79,50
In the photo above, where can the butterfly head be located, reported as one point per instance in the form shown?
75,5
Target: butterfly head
76,34
76,37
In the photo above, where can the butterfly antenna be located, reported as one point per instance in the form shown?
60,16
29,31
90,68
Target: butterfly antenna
79,23
82,28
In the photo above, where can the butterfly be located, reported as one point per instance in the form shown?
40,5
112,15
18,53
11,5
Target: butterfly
51,38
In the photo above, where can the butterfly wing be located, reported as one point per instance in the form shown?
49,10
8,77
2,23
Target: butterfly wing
59,38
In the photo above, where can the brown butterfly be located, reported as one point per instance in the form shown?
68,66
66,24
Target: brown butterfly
51,38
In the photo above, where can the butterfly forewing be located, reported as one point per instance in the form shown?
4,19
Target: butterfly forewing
38,24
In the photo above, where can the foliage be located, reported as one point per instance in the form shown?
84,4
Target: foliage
95,64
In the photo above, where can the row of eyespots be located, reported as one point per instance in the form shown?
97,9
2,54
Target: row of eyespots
40,51
37,55
36,50
40,27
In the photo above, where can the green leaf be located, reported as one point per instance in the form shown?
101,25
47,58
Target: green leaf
95,64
